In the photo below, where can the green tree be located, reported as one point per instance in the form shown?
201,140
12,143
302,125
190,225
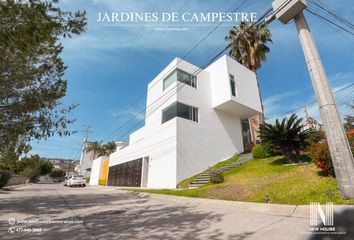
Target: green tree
57,173
97,149
32,167
46,167
109,147
31,73
287,135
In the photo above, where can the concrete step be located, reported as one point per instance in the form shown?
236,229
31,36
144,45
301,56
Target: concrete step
203,182
204,178
195,186
201,179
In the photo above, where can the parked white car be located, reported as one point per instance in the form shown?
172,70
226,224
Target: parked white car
76,180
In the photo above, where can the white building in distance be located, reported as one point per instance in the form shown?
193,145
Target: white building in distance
195,118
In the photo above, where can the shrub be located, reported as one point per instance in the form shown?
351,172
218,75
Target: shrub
259,151
31,173
319,153
271,150
57,173
287,135
4,177
216,176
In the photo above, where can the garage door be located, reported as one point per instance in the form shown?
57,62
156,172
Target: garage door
126,174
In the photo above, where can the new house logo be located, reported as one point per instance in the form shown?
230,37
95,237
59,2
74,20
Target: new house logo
324,213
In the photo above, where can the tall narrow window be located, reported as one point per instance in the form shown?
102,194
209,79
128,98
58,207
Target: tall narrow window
180,110
233,85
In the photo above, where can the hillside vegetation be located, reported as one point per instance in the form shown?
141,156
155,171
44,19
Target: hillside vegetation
271,179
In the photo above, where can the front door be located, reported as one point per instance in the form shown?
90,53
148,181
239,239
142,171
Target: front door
246,135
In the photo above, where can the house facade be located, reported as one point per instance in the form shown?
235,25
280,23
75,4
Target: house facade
86,158
195,118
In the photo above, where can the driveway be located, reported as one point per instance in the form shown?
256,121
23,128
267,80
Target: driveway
96,212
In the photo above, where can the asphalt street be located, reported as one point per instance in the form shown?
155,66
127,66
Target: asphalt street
52,211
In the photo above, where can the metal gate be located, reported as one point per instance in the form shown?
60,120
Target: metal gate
126,174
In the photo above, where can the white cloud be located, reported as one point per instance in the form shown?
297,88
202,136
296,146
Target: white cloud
276,103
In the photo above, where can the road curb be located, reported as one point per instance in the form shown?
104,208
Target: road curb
13,187
299,211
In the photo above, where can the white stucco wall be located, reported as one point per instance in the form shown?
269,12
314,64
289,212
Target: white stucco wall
216,136
96,169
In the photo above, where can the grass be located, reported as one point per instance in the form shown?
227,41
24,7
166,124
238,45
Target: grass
254,180
186,182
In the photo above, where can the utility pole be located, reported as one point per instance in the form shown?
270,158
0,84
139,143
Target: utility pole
339,147
86,132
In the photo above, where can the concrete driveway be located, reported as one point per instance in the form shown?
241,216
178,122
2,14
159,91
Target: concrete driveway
59,212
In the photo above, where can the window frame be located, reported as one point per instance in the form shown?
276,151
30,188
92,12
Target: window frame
193,79
194,112
233,85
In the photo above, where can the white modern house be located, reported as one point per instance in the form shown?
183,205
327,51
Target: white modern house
195,118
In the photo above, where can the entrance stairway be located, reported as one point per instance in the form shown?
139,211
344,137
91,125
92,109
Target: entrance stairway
204,178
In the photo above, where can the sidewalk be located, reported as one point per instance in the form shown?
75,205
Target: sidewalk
300,211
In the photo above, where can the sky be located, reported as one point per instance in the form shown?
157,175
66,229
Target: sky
110,65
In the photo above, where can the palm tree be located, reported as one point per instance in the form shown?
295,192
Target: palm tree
288,135
109,147
247,44
97,149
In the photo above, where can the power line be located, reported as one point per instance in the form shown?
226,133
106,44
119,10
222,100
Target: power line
309,103
189,52
163,33
150,32
194,73
329,21
332,13
87,131
166,96
141,28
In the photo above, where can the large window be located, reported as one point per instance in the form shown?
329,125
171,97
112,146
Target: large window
180,76
233,85
180,110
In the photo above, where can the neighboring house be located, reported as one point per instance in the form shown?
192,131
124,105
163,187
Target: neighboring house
86,159
192,122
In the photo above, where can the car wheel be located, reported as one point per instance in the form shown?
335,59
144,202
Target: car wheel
84,185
